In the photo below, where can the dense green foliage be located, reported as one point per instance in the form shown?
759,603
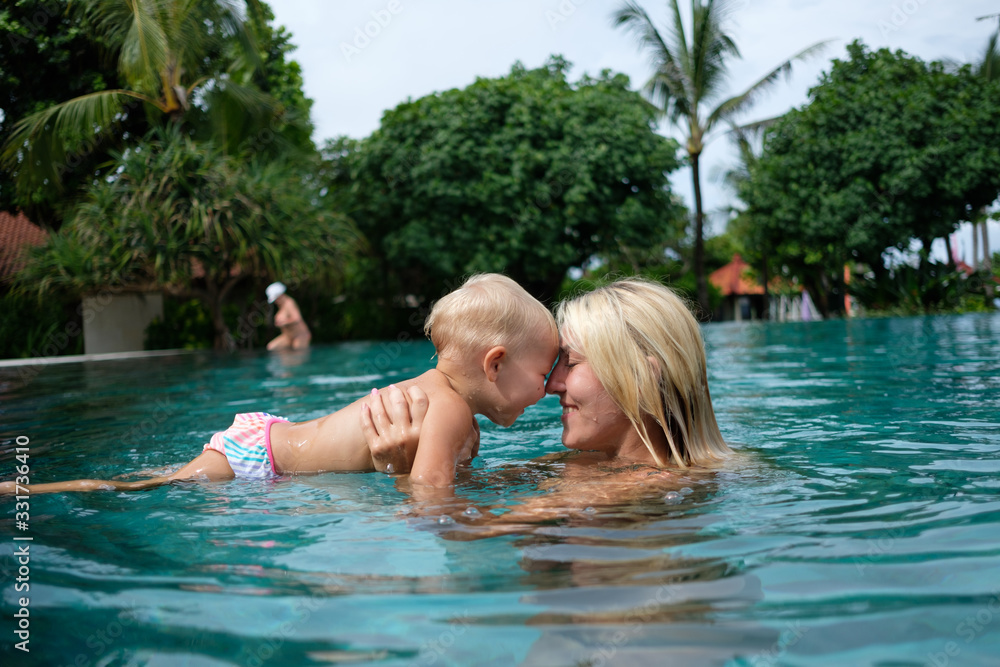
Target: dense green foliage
933,287
888,150
526,174
184,163
32,327
47,56
196,63
187,219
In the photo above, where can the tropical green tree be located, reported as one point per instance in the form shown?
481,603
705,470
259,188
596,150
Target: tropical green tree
175,58
526,174
46,56
688,78
889,149
185,218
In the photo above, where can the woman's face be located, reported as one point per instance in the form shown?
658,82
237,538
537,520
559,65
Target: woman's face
591,419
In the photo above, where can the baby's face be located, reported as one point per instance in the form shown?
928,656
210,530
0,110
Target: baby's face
521,381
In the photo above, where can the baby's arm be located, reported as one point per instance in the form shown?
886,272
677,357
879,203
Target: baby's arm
444,441
83,485
210,465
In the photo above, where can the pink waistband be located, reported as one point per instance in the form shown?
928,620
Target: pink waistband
267,440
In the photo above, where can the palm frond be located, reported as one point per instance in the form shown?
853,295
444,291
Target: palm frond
990,17
709,48
679,38
748,139
108,18
738,103
236,110
39,144
668,86
989,66
755,129
234,24
145,50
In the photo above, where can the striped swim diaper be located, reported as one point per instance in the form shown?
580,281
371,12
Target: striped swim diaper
247,445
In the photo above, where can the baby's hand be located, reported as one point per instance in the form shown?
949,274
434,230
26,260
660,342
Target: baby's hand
392,434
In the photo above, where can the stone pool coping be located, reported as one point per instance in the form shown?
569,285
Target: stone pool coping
107,356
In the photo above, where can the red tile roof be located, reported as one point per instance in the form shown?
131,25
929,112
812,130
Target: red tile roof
16,234
732,279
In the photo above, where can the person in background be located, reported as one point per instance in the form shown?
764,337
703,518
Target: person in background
295,335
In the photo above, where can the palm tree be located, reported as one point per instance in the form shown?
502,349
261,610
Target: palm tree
688,76
168,55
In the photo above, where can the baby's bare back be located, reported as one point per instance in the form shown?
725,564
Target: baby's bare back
335,442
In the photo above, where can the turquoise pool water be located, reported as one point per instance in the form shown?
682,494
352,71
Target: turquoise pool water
860,526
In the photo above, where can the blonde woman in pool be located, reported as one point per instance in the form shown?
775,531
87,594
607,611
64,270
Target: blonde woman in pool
495,344
632,382
632,378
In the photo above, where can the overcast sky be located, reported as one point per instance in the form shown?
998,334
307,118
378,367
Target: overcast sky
362,57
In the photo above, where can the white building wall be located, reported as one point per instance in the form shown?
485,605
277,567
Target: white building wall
117,322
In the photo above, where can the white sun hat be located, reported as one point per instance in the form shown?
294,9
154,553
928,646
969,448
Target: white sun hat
273,291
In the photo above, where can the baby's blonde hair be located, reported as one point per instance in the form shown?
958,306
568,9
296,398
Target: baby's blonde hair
645,348
489,309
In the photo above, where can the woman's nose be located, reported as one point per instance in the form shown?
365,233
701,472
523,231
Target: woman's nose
557,380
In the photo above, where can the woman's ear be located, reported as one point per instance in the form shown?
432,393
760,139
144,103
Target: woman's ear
492,361
654,365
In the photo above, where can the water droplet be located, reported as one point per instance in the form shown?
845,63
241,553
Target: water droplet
472,513
589,510
672,498
389,469
445,520
687,491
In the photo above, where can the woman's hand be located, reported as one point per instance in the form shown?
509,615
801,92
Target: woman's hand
391,423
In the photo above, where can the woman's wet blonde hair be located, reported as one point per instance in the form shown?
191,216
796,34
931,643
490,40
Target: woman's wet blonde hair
489,309
645,348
